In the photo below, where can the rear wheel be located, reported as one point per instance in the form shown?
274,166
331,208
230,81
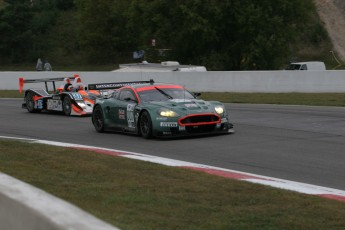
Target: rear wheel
67,106
145,125
30,103
97,119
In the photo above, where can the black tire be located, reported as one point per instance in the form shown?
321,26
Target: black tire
67,106
29,101
98,119
145,124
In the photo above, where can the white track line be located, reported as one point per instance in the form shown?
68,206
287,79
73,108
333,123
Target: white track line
310,189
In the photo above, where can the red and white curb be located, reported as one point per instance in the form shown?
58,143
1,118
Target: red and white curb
304,188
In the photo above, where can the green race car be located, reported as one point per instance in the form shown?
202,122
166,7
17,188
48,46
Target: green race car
154,109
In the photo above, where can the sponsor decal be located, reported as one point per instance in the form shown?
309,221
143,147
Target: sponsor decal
130,115
110,85
54,105
38,104
182,128
56,97
168,124
130,119
180,100
114,85
161,118
122,114
224,120
77,96
130,107
191,105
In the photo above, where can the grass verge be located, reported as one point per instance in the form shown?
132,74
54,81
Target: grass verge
317,99
11,94
138,195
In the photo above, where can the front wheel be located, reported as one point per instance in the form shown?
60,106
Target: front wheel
145,125
98,119
67,106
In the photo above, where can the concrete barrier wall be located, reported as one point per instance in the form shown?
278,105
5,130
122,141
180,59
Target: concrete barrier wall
212,81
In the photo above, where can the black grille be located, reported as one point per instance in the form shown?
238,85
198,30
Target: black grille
191,120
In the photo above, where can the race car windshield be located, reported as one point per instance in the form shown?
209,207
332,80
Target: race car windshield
164,94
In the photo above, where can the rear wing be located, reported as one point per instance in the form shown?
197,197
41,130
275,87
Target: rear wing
116,85
22,81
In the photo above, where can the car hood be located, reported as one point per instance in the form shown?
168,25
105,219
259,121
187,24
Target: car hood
185,106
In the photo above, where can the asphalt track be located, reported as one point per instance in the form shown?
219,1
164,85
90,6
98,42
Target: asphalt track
298,143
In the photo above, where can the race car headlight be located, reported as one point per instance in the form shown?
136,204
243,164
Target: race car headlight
82,105
219,109
167,113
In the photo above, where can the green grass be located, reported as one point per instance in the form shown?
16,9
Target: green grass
11,94
317,99
132,194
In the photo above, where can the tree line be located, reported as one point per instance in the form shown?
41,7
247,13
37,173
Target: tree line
220,34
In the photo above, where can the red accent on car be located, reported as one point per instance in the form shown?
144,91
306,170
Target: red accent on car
78,110
152,87
35,98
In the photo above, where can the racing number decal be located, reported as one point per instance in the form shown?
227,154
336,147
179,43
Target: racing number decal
38,104
77,96
130,115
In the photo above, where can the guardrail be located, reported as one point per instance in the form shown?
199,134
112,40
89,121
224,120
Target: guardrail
332,81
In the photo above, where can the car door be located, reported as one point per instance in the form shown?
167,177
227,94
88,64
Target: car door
124,109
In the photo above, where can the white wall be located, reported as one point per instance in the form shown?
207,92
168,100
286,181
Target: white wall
212,81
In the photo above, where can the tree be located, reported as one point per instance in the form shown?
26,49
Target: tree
15,30
220,34
102,33
266,30
23,28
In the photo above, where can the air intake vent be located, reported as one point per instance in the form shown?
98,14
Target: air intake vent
200,119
